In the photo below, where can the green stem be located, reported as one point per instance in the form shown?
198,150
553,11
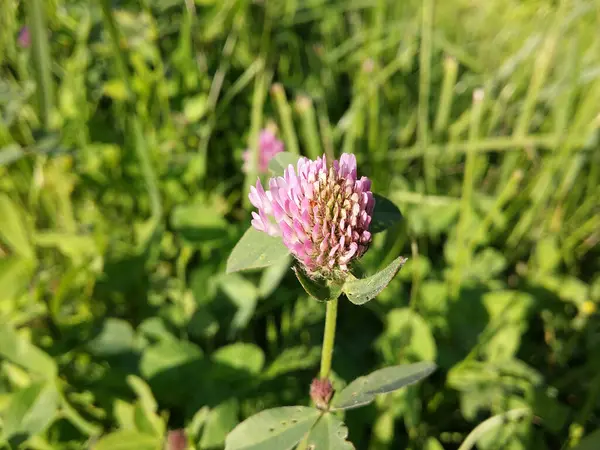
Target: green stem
424,91
41,59
115,40
328,338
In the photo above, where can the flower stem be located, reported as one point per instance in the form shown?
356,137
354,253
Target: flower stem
328,338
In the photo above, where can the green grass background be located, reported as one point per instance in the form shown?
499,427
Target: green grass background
121,195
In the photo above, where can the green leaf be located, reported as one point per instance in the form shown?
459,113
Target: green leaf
255,250
23,353
220,421
143,393
510,310
293,359
385,214
115,337
407,334
489,426
15,275
167,355
320,289
30,411
198,222
145,413
129,440
589,442
243,294
329,433
194,108
273,429
272,276
433,444
360,291
115,89
241,356
362,391
78,248
14,229
281,161
169,367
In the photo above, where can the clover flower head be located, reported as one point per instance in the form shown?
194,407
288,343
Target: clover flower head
321,211
268,147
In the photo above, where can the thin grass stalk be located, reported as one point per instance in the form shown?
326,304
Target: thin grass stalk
499,107
373,117
540,142
326,132
447,96
256,121
463,256
505,196
424,92
540,72
36,12
310,131
580,128
285,115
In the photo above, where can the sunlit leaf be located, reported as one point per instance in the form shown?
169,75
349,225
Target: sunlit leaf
360,291
220,421
129,440
329,433
243,294
167,355
489,428
198,222
273,275
408,334
22,352
15,275
30,411
273,429
292,359
241,356
195,107
145,412
281,161
362,391
255,250
14,229
116,336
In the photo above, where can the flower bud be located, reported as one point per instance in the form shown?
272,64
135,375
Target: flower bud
321,392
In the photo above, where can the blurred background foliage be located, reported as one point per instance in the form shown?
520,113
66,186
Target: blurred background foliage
122,126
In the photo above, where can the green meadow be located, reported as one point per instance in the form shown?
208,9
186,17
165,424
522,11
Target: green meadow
122,194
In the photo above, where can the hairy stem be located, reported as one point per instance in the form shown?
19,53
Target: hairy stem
328,338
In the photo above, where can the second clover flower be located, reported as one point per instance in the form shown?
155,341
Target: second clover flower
322,212
268,147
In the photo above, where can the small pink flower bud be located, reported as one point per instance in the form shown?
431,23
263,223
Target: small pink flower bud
321,392
176,440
